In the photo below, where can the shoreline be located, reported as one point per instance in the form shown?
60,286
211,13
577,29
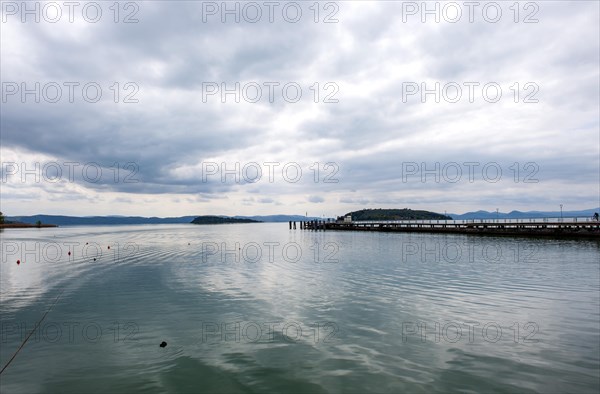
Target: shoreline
26,225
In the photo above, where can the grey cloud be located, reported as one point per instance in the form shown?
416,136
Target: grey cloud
369,133
316,199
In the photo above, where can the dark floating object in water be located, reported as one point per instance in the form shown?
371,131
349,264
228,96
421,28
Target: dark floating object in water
94,259
69,253
18,262
163,344
109,246
86,243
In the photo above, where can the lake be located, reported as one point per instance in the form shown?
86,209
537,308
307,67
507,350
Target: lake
258,308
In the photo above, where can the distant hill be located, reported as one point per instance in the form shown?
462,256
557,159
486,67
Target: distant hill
395,214
524,215
99,220
220,220
130,220
378,214
281,218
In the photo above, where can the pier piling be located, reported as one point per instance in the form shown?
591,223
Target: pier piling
573,227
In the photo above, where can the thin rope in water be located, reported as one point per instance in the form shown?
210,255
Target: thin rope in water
32,331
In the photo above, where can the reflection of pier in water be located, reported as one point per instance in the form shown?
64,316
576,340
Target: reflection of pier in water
553,227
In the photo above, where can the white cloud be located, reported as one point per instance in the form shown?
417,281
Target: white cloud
371,133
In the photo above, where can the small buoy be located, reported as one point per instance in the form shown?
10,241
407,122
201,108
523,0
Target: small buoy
86,243
18,262
94,259
163,344
69,253
109,246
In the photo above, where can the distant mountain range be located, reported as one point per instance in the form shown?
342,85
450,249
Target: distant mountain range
280,218
98,220
523,215
110,220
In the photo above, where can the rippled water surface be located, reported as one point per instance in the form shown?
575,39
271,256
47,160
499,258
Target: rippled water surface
260,308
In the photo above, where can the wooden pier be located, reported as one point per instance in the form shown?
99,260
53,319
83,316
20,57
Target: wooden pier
539,227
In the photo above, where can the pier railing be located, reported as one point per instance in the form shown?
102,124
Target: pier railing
574,219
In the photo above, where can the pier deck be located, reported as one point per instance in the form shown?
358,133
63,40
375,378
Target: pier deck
553,227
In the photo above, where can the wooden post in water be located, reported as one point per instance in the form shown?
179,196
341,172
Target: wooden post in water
290,224
294,225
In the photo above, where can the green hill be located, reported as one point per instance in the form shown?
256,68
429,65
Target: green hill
396,214
220,220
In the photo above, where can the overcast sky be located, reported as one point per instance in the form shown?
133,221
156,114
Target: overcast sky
333,90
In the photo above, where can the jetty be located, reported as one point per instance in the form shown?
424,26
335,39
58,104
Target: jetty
575,227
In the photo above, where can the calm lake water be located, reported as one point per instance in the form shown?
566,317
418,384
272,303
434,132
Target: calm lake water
258,308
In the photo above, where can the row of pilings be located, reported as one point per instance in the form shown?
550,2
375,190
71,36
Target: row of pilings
310,225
